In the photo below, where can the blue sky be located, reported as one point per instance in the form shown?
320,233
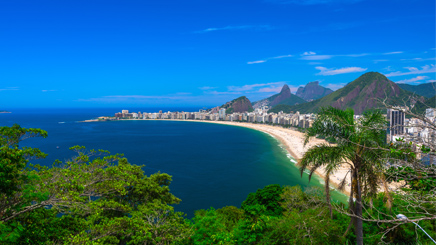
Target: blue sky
203,52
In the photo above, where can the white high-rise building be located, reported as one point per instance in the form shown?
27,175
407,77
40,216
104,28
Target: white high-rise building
222,113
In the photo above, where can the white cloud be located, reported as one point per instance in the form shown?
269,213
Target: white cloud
396,52
276,89
207,88
44,90
256,62
309,53
253,86
332,71
354,55
9,88
418,59
313,56
282,56
388,68
230,28
413,70
431,81
413,80
316,57
271,58
377,61
335,86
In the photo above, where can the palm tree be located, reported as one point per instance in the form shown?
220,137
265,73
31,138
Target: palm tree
358,147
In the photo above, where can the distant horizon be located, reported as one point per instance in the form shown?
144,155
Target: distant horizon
169,106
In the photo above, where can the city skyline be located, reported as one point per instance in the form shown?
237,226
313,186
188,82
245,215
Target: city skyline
198,53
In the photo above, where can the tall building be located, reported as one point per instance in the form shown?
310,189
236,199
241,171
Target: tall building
222,113
396,118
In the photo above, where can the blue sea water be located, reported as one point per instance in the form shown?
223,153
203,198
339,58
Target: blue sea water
212,165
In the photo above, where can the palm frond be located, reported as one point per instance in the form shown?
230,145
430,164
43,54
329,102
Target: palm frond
321,155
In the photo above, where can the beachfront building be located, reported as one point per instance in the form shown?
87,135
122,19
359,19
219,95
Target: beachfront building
222,113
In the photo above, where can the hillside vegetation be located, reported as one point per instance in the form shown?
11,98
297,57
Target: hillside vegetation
241,104
427,90
360,95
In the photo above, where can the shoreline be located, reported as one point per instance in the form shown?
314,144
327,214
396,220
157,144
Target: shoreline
292,140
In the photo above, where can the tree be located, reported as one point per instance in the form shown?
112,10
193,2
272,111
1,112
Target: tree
412,171
104,198
269,197
359,146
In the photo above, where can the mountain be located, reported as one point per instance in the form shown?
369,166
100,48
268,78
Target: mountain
360,94
427,90
284,97
240,104
313,91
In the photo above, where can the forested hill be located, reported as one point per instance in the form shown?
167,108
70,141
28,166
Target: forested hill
241,104
427,90
361,94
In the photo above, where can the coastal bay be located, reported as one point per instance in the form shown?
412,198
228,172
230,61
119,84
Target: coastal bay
213,165
291,139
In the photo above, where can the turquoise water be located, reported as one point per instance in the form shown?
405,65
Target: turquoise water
212,165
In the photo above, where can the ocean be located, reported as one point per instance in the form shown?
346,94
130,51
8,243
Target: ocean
212,165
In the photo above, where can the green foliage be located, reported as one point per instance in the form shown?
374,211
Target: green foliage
229,106
13,159
279,108
93,198
268,197
99,198
360,145
422,180
303,225
406,233
427,90
229,110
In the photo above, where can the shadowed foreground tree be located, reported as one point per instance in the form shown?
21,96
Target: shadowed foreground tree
359,147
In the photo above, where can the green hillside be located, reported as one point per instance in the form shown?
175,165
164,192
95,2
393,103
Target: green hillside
279,108
239,104
427,90
361,94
